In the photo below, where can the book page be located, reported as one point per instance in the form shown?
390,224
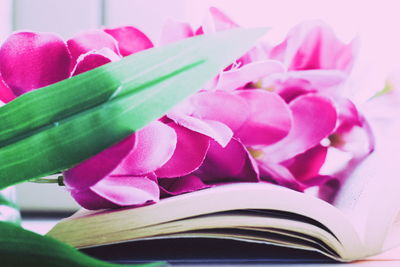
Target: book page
83,231
370,198
362,216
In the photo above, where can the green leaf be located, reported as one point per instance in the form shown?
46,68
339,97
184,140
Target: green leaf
19,247
58,126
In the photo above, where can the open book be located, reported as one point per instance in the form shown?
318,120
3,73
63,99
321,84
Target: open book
363,221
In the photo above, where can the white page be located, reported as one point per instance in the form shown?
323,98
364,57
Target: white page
371,196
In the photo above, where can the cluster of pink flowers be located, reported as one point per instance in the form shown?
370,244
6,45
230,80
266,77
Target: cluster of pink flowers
271,116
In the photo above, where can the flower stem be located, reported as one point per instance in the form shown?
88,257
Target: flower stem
50,180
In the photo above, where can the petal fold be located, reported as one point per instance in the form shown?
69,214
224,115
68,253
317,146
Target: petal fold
308,164
94,169
155,145
313,45
181,185
225,107
87,41
127,190
231,163
94,59
269,120
314,118
189,154
213,129
217,21
130,40
90,200
278,174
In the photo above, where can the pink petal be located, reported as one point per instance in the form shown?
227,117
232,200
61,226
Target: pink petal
346,55
309,53
278,52
258,53
353,132
293,88
221,106
313,45
348,115
94,59
295,83
314,118
328,191
317,180
320,79
307,165
94,169
334,53
174,31
155,145
252,72
279,174
180,185
359,140
6,95
189,154
130,40
213,129
31,60
90,200
269,120
199,31
85,42
217,21
230,163
127,190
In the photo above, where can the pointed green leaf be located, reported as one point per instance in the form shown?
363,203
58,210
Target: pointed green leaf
58,126
19,247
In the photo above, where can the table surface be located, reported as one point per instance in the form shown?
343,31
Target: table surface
389,258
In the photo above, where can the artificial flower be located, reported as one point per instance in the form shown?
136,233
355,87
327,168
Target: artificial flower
31,60
274,115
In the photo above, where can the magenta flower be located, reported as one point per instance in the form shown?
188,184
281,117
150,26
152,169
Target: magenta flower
31,60
318,63
265,138
242,112
274,115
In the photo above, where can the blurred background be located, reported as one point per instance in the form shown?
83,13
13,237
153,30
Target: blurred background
375,23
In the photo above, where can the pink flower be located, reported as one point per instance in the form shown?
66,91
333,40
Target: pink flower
274,115
31,60
318,63
266,133
264,118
